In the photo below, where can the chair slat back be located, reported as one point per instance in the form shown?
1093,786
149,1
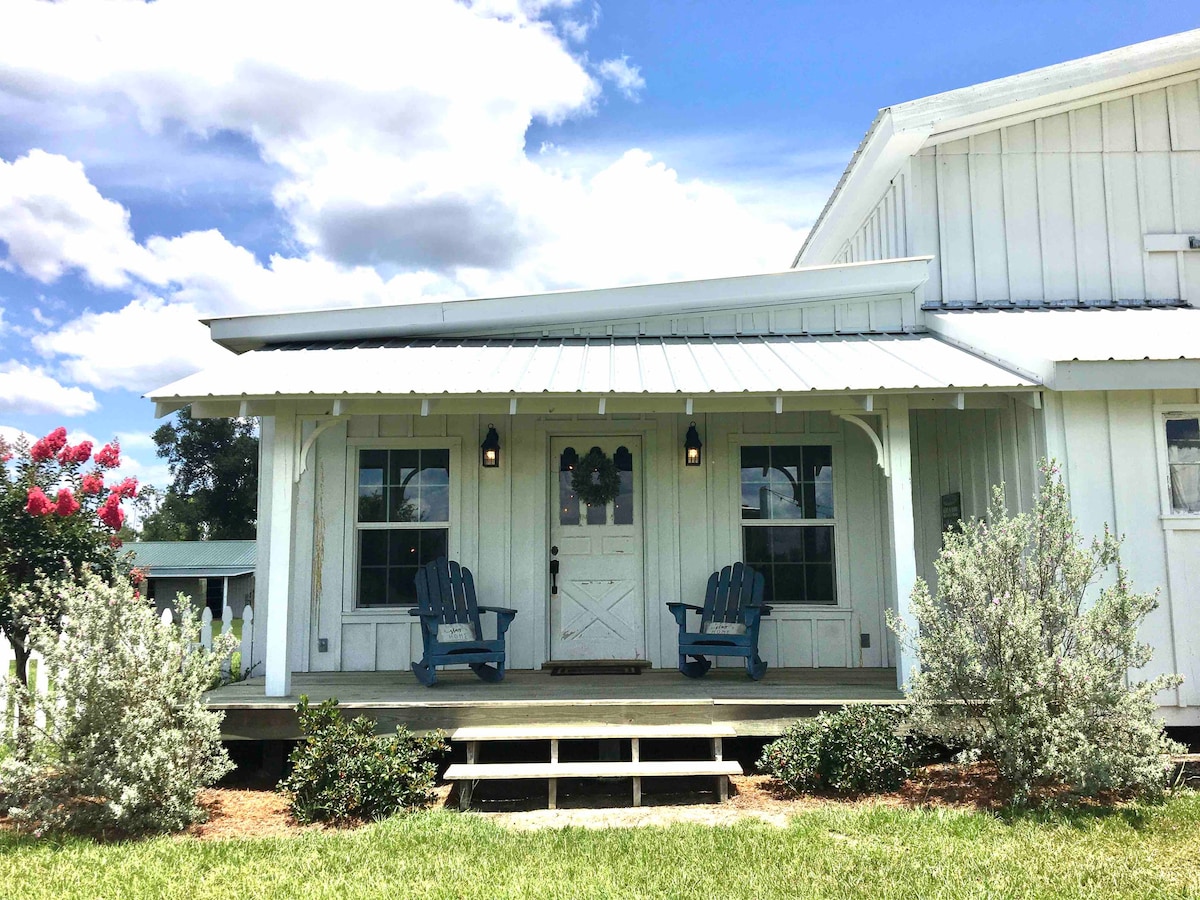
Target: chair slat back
448,589
729,591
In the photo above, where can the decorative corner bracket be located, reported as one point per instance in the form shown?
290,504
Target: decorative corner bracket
323,423
881,456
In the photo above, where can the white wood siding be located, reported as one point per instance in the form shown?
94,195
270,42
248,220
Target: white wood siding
502,535
1054,208
1107,445
968,452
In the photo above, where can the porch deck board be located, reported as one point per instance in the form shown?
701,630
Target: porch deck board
659,697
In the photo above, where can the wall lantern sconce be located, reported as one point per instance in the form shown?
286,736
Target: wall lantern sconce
490,449
691,446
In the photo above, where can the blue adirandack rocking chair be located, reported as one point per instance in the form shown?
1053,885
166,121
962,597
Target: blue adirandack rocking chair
450,631
729,621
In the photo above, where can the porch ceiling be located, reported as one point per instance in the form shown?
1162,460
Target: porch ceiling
597,367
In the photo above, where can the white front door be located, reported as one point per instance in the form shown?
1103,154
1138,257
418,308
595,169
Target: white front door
598,610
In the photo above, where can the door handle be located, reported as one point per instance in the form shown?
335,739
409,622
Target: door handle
553,577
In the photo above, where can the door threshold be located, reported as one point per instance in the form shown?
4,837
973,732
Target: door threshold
596,666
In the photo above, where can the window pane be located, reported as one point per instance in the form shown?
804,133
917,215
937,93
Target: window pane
623,504
787,482
389,559
402,590
797,561
373,548
789,584
435,503
597,515
435,467
404,546
402,467
819,585
372,586
568,500
786,501
370,503
402,503
1183,456
818,543
757,545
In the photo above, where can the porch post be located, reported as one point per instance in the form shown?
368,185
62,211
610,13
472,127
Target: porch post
903,532
277,661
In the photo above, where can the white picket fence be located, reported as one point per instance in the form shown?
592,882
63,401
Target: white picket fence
41,674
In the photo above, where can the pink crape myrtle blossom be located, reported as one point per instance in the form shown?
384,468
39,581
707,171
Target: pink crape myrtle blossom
67,504
109,456
37,503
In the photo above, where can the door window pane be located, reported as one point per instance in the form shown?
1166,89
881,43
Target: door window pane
1183,462
623,504
568,500
597,515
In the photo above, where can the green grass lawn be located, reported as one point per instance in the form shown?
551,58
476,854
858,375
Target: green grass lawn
838,851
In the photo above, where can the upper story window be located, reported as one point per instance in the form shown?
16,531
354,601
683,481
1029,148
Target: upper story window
788,521
402,521
1183,462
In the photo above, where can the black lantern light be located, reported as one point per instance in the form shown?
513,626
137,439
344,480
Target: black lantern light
490,449
691,446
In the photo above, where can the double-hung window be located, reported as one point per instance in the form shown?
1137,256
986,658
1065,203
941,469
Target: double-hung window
1183,462
788,521
402,521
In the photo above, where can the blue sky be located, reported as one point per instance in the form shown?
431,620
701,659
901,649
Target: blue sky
189,158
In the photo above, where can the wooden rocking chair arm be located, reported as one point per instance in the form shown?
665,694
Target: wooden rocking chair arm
691,606
499,610
424,613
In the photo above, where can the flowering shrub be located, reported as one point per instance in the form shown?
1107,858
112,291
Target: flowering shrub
1026,661
858,749
127,741
55,518
342,771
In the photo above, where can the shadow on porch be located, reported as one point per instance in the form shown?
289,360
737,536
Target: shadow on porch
659,697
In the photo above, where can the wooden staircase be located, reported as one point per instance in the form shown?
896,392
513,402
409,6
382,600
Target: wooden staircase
468,773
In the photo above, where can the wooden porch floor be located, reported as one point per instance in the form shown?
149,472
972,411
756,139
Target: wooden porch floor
656,697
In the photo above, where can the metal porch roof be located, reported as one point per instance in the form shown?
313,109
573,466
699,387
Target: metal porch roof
194,559
698,366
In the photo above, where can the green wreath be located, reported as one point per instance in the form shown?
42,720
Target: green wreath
595,480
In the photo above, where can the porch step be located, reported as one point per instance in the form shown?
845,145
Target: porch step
472,770
496,771
570,732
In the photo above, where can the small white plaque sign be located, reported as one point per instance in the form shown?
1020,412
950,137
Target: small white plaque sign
724,628
453,632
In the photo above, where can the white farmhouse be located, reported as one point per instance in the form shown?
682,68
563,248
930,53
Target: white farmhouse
1004,272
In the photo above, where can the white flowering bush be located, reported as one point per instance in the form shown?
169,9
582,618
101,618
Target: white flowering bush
1025,659
127,741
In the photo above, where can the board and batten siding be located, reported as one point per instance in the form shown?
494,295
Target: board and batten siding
1107,442
968,452
1054,208
501,532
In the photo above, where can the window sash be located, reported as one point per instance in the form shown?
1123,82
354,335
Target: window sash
385,555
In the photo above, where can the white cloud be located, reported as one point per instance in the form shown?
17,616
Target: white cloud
29,390
146,344
12,434
52,219
627,78
397,136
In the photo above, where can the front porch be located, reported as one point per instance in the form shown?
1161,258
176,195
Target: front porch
531,698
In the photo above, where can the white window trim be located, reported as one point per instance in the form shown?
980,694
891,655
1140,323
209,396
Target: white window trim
350,548
841,570
1170,519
